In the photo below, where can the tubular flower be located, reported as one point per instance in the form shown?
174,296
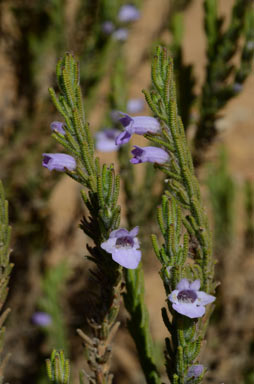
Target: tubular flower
58,127
138,124
58,161
123,245
149,154
188,300
105,140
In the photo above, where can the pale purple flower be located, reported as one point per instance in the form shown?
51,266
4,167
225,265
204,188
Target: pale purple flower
58,127
41,318
105,140
128,13
237,87
135,105
124,247
58,161
195,371
136,124
107,27
120,34
149,154
188,300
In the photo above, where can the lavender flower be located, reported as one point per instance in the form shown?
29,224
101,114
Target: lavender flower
135,105
107,27
149,154
128,13
41,318
120,34
188,300
123,245
58,127
105,140
237,87
138,124
195,371
58,161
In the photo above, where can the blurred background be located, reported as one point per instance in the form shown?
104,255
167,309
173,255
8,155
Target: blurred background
49,283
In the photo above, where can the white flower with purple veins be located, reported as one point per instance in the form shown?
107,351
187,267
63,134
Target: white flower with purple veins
188,300
124,247
105,140
135,105
128,13
149,155
136,124
58,161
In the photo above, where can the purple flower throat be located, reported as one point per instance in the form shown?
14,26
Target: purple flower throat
137,151
125,242
46,159
187,296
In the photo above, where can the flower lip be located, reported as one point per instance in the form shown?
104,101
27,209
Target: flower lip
123,138
126,120
137,151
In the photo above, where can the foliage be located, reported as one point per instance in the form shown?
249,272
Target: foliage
182,221
5,271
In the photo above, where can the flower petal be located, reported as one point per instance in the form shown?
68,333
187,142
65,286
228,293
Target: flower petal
124,137
134,232
126,120
204,298
128,258
189,309
195,285
119,233
183,284
109,245
145,124
173,296
136,244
